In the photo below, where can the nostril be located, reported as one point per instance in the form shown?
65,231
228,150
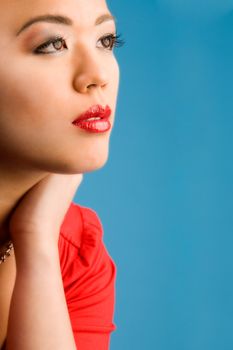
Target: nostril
90,85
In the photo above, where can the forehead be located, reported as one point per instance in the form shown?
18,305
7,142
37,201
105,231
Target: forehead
83,12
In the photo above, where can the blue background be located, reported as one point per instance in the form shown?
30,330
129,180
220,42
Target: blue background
165,196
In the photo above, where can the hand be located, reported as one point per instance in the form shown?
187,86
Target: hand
41,211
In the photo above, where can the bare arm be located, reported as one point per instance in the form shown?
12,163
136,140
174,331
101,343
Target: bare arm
38,317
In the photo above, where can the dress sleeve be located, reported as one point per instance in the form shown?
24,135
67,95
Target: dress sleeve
90,287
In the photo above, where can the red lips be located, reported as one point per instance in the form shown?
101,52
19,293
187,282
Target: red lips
94,112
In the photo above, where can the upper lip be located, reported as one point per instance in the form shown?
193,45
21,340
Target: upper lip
94,111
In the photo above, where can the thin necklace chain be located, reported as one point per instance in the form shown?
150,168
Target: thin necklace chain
4,255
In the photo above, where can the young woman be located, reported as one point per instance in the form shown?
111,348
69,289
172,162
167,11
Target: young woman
58,90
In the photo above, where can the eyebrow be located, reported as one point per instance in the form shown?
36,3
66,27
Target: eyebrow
58,19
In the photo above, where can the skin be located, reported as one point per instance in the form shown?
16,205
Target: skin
43,156
40,96
38,285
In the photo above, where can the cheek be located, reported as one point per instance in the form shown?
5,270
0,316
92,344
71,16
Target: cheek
116,72
28,94
116,84
114,76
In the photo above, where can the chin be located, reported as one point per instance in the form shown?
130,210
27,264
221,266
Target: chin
86,159
92,161
85,165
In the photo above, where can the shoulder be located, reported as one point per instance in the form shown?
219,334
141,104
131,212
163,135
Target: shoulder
77,221
88,273
81,237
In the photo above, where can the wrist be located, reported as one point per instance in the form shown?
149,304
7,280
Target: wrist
44,237
34,249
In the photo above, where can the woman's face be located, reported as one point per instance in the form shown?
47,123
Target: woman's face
42,93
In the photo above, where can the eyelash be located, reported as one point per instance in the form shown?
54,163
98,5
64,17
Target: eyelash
116,42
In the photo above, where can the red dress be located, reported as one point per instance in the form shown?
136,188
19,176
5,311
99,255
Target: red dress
88,274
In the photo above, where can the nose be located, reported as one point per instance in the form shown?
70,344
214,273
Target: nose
90,73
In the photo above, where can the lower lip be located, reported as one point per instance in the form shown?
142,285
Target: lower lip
94,126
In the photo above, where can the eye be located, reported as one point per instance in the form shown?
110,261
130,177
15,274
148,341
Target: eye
56,42
111,40
108,42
